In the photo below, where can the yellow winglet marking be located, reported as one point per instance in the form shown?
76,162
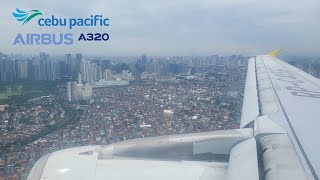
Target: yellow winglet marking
275,53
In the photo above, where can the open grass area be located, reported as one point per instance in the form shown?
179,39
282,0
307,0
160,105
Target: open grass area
19,92
10,90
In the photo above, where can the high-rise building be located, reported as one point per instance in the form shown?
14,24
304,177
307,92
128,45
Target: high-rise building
68,58
36,68
104,65
87,92
108,75
68,64
95,72
144,59
52,70
62,66
99,73
42,70
80,90
77,62
150,67
125,73
74,91
22,67
30,70
79,78
138,69
69,97
84,69
78,58
7,72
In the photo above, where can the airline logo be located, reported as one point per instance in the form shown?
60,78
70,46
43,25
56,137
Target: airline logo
25,17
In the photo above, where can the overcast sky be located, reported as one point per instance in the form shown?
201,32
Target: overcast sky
169,27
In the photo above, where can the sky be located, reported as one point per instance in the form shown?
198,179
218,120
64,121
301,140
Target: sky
174,27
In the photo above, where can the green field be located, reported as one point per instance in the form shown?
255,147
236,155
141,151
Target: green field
7,91
20,92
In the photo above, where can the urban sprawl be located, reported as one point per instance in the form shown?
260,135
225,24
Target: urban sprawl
52,103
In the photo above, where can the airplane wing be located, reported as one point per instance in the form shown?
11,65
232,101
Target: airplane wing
290,98
277,139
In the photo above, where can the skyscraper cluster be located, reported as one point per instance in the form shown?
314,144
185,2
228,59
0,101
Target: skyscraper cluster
42,68
125,74
78,92
90,72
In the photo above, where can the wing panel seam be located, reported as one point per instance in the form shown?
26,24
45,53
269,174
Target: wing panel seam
313,172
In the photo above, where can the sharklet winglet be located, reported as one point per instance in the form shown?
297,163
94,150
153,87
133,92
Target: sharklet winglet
275,53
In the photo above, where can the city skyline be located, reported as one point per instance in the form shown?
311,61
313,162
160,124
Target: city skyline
177,28
70,66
